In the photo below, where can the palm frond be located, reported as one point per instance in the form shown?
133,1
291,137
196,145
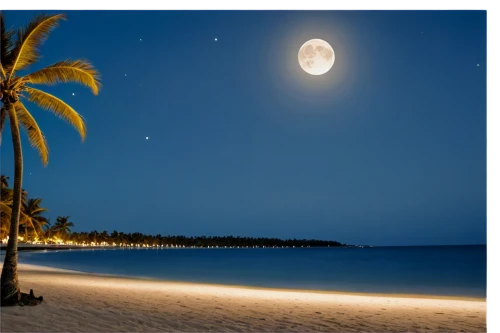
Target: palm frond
25,51
35,135
23,219
3,116
5,44
4,207
39,210
2,71
34,206
58,107
5,225
6,196
4,180
79,71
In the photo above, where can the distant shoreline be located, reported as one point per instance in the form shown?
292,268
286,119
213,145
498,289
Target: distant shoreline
30,247
41,247
52,247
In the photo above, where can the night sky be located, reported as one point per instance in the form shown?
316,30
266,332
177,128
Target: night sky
387,148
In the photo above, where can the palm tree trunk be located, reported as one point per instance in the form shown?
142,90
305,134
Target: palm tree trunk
9,281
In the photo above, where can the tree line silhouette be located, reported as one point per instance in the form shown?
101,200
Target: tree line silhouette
137,238
35,228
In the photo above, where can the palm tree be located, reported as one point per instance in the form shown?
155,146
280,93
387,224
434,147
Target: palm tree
17,52
32,216
62,226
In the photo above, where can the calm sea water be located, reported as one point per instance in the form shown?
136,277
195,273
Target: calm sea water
439,270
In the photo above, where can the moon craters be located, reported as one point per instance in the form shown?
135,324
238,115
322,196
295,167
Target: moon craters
316,57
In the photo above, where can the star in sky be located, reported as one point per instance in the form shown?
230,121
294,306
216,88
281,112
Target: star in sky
140,39
125,74
73,94
477,65
147,138
215,38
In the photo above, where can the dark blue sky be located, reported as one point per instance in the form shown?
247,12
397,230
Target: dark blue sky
388,148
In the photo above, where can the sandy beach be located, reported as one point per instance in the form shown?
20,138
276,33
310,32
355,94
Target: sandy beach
80,302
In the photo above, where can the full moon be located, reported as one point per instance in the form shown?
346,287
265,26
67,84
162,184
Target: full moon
316,57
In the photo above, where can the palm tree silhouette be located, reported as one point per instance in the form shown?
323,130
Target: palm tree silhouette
17,52
63,226
32,216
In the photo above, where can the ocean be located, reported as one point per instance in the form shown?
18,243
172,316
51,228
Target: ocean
426,270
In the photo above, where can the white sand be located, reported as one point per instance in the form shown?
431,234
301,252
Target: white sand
79,302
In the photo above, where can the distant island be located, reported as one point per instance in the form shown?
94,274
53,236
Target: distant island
55,236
